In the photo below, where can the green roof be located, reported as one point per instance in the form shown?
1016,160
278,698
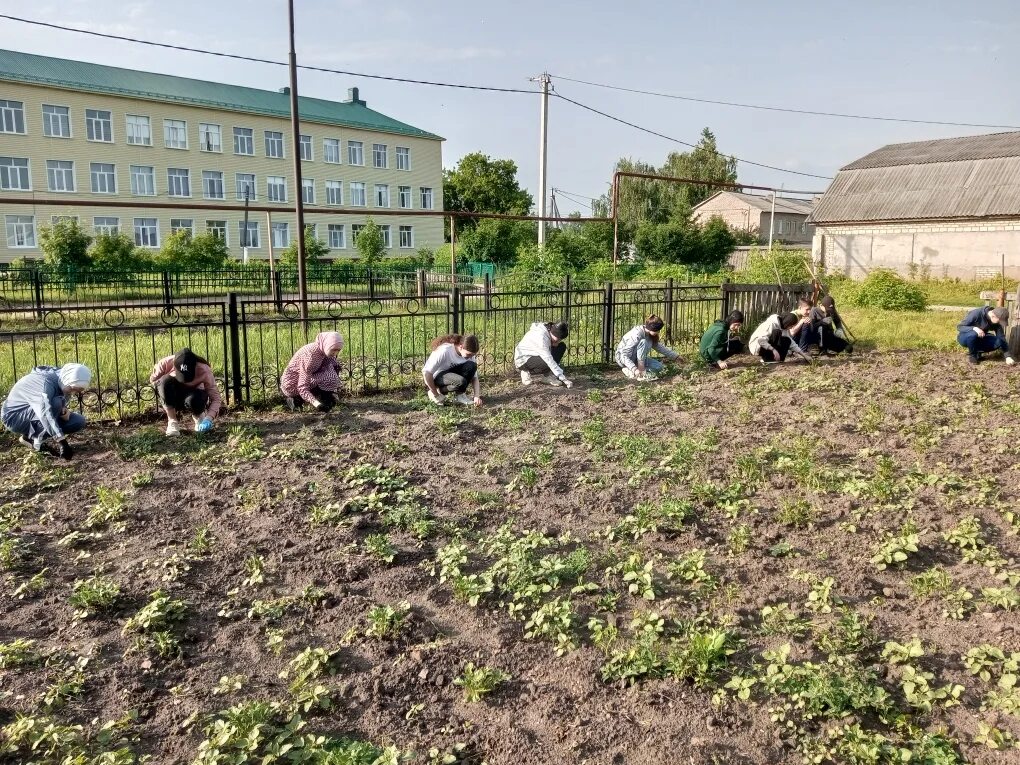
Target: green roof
97,78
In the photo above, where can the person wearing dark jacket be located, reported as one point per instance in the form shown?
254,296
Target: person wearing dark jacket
721,340
37,408
983,330
825,329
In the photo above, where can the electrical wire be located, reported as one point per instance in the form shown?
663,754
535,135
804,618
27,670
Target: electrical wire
677,140
784,109
253,59
566,195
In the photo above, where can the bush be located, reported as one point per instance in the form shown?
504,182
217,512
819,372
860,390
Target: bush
537,267
65,244
763,264
117,252
183,252
370,244
887,290
496,240
315,250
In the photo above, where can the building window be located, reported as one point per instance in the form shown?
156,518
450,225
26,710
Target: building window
358,195
305,143
178,182
337,241
14,175
56,121
308,191
252,240
20,231
355,153
382,195
59,175
404,197
407,237
379,155
281,235
99,125
143,181
385,231
210,137
12,117
426,198
218,228
212,184
334,192
139,130
182,224
276,188
403,158
331,151
356,232
146,232
274,144
103,177
175,134
244,141
245,183
106,226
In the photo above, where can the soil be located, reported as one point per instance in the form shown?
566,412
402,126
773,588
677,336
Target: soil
920,409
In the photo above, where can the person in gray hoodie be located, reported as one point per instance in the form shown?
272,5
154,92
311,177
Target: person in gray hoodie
539,353
37,408
632,354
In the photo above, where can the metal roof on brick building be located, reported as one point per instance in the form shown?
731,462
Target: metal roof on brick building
966,178
131,83
764,203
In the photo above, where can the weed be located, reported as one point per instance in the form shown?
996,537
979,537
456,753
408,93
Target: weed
140,480
20,652
780,619
553,620
385,622
32,586
958,604
228,684
1005,598
93,595
896,548
255,571
67,683
153,624
479,681
512,419
902,653
934,581
739,539
449,419
202,541
637,576
109,507
378,545
703,657
797,513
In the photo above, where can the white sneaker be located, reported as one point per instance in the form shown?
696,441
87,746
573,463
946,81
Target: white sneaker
553,380
1010,360
629,373
173,428
465,399
437,399
649,377
526,378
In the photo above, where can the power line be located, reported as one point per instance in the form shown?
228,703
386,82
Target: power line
785,109
253,59
682,143
570,198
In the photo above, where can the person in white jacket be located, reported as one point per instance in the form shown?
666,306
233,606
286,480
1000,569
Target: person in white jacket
539,353
772,340
632,354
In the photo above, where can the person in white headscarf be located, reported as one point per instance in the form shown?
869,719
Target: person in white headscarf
37,408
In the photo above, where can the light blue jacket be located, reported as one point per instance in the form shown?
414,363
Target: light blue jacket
39,396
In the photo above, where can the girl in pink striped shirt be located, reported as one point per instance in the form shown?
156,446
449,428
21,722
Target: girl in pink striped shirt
313,375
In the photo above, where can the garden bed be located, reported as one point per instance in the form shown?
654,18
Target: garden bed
630,563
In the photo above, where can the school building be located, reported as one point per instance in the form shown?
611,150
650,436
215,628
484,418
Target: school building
98,139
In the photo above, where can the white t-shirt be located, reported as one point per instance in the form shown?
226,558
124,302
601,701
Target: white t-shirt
442,358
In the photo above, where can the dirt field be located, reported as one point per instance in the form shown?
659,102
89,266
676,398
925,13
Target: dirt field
632,559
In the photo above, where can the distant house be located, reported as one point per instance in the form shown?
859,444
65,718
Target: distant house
752,212
948,207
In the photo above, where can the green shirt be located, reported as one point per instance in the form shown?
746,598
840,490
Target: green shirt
713,342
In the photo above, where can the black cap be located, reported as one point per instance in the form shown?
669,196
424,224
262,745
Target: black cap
185,363
560,330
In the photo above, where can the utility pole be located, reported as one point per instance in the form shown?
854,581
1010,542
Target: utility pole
543,145
299,205
246,240
772,219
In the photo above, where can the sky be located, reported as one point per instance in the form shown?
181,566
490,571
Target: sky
926,60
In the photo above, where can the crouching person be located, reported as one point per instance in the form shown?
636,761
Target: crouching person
185,382
721,340
540,352
633,352
451,368
826,329
772,341
37,408
313,374
983,330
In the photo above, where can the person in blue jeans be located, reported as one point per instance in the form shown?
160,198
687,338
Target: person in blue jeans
37,408
632,353
983,330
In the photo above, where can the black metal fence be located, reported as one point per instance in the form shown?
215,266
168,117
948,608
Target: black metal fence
249,340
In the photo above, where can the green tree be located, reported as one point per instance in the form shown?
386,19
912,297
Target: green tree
370,244
578,248
717,242
65,245
315,250
496,241
481,184
183,252
117,252
676,242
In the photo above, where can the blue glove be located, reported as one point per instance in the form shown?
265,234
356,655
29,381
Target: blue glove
204,426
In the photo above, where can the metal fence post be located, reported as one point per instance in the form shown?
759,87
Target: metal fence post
725,298
371,284
278,291
235,348
37,285
607,324
455,310
167,291
670,312
488,291
566,298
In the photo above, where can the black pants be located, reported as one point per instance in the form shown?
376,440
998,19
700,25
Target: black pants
180,397
830,342
457,378
733,347
534,365
782,344
328,398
